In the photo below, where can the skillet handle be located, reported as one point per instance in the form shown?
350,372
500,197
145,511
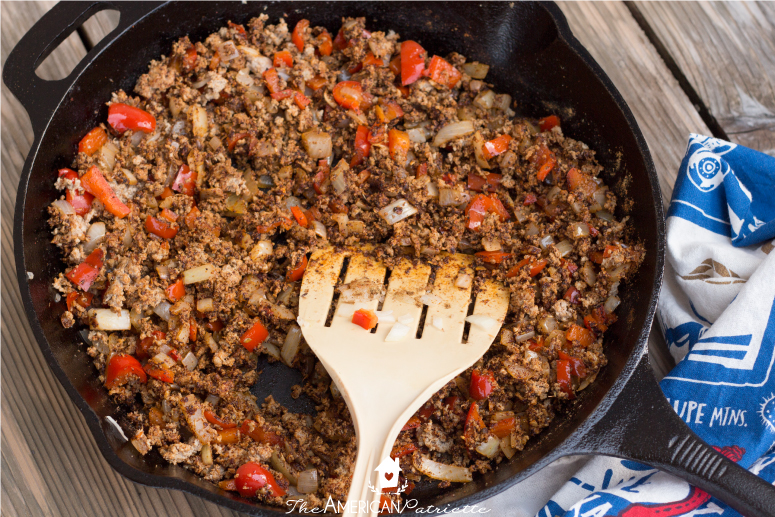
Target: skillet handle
641,426
39,96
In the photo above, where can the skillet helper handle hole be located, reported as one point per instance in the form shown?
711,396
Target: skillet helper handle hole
642,426
39,96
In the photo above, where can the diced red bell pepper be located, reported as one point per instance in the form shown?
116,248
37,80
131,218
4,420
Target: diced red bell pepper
81,203
413,423
372,60
579,336
81,299
168,215
481,385
473,423
391,109
96,184
479,184
259,434
362,146
159,372
403,450
301,100
609,250
596,257
577,365
422,170
254,336
340,42
121,368
563,378
239,28
142,351
185,181
572,295
160,228
229,436
84,273
191,216
167,192
536,344
496,207
321,180
365,318
272,80
547,123
496,146
231,143
395,65
283,58
300,34
192,330
176,291
122,117
93,140
325,43
297,273
529,199
581,182
299,216
251,477
214,326
442,72
211,417
476,211
537,266
502,428
493,257
316,83
412,62
349,94
398,145
545,161
229,485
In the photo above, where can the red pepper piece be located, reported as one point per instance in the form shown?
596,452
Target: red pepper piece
545,161
365,318
502,428
300,34
185,181
96,184
492,257
547,123
251,477
84,273
579,336
81,299
572,295
160,373
254,336
93,140
403,450
479,184
283,58
349,94
325,43
496,146
213,419
442,72
160,228
259,434
272,80
398,145
362,146
412,62
121,368
297,273
176,291
481,385
123,117
563,378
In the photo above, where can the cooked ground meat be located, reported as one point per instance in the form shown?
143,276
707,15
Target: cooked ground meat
188,218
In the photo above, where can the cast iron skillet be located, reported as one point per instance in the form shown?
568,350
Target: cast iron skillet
533,56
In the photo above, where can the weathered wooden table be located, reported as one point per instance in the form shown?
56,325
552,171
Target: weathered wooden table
682,67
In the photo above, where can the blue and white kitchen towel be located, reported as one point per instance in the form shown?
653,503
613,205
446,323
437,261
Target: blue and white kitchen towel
717,311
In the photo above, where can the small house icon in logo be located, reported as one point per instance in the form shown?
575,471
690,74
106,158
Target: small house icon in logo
388,473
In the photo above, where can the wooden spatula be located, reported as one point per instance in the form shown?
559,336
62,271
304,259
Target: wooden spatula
384,383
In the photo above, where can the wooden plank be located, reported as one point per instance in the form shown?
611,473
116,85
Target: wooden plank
727,54
50,462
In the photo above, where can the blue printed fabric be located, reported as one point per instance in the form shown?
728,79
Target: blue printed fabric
717,311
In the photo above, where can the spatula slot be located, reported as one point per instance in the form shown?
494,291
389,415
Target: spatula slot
423,315
335,300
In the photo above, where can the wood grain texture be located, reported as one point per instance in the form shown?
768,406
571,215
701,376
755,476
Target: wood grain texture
50,464
727,53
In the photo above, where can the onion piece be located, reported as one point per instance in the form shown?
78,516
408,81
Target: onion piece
444,472
163,310
599,198
502,102
291,345
337,177
605,215
478,143
417,135
228,50
564,247
195,419
463,280
485,323
546,241
430,299
531,229
547,324
243,77
198,274
261,249
108,154
213,400
271,350
106,319
281,466
397,211
308,482
490,448
452,131
493,244
341,220
64,207
317,143
94,236
611,304
198,118
207,454
508,450
397,332
476,70
579,229
385,316
406,319
587,273
524,337
485,99
190,361
438,322
320,229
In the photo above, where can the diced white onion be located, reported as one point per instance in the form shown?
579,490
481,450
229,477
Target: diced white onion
292,201
138,136
432,189
546,241
490,448
207,454
493,244
243,77
463,281
598,199
605,215
215,143
291,345
385,316
524,337
618,272
452,131
94,236
485,323
547,324
359,118
587,273
337,177
213,399
317,144
190,361
261,249
564,247
611,304
163,310
320,229
476,70
506,447
108,154
198,274
478,143
579,229
502,102
205,305
106,319
195,418
396,211
228,50
179,128
485,99
64,207
397,332
308,482
551,196
430,299
341,220
198,118
271,350
438,322
531,229
444,472
417,135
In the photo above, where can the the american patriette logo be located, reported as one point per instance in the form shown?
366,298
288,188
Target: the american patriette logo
388,472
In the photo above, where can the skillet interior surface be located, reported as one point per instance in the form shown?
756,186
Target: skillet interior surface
532,56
